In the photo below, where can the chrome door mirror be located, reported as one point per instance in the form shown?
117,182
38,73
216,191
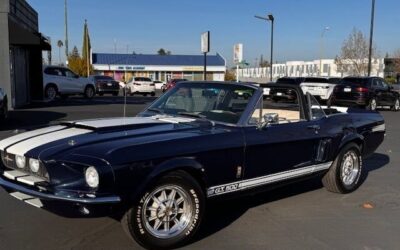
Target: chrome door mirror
268,119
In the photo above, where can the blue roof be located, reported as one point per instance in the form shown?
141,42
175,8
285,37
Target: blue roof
158,60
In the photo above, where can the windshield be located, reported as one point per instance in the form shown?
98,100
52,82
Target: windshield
218,102
354,81
316,80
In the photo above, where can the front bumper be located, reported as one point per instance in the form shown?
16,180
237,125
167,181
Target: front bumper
62,203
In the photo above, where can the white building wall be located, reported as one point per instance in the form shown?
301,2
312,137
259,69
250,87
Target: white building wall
327,67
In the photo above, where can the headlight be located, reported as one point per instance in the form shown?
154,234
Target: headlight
20,160
34,165
92,177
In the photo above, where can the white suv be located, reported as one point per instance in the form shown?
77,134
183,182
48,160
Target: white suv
63,82
141,85
319,87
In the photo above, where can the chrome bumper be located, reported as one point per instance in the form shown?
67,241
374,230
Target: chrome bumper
61,196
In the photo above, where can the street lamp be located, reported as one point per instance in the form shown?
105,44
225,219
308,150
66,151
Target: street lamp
371,37
322,48
270,18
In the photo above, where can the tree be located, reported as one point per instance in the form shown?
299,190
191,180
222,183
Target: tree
230,75
354,54
163,52
263,63
77,64
396,61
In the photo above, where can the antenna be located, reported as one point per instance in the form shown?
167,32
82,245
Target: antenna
125,93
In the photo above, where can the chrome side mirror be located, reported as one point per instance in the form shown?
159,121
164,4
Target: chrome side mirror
268,119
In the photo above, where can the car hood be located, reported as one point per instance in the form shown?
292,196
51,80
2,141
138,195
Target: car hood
99,138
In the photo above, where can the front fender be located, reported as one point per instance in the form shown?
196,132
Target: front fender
188,164
351,137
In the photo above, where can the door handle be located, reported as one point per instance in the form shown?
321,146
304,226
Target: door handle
314,127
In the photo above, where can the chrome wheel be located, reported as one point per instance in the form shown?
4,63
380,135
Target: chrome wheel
167,211
350,168
397,105
51,93
373,104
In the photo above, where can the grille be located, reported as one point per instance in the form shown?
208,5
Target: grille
9,163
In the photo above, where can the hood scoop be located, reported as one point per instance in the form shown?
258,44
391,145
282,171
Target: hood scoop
100,124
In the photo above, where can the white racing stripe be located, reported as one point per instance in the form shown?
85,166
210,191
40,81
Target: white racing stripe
263,180
29,144
23,136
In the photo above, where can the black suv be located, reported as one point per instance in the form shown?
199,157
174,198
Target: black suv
369,92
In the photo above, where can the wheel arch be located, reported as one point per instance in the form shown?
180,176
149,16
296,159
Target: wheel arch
51,84
185,164
353,138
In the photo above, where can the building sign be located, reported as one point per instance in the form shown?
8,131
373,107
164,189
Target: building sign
194,68
205,42
238,53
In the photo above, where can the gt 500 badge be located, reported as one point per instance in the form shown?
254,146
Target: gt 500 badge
223,189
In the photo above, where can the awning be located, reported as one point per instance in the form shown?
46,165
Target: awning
20,36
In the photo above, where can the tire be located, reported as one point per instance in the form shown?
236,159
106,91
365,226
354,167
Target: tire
348,160
144,95
136,220
153,94
396,106
372,104
51,92
89,92
101,94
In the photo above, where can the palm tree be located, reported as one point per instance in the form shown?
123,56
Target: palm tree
59,45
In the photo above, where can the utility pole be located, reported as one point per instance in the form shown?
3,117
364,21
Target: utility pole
371,38
322,49
270,18
66,28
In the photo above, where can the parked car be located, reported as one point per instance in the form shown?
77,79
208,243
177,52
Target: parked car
171,83
320,87
63,82
368,92
141,85
105,85
197,142
159,84
286,94
3,105
334,80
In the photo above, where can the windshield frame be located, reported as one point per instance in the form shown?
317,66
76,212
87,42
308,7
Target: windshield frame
245,115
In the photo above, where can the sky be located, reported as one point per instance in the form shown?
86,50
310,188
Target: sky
144,26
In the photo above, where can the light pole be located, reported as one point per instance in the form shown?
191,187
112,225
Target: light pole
322,49
270,18
371,37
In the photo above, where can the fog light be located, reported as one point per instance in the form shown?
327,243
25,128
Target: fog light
34,165
92,177
21,161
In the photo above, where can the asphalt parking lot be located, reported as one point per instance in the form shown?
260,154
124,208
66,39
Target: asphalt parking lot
299,216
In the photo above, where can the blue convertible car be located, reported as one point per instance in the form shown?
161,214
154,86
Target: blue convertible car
200,140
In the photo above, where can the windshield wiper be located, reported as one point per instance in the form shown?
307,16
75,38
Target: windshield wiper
156,110
192,115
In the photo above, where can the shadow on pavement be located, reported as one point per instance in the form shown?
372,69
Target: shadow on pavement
79,101
26,119
222,213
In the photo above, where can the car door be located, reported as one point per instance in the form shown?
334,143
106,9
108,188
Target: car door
73,82
388,95
378,90
284,149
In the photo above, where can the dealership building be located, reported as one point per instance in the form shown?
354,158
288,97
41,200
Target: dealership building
159,67
21,46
